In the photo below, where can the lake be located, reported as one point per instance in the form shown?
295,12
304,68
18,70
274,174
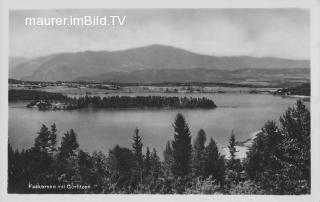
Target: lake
101,129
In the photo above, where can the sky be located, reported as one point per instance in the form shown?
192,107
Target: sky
282,33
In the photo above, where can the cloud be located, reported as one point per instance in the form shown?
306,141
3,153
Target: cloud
255,32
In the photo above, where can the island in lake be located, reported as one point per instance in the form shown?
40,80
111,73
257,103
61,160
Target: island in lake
57,101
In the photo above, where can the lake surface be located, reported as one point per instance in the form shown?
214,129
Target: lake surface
101,129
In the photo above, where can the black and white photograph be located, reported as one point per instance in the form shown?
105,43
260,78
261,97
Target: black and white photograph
160,101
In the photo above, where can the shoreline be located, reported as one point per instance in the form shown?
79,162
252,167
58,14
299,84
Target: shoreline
241,149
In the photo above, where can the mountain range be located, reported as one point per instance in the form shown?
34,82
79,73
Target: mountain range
154,63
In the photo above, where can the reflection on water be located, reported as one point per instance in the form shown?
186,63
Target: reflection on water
100,129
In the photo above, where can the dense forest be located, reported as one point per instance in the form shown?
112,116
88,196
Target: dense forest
303,89
29,95
141,102
278,162
56,101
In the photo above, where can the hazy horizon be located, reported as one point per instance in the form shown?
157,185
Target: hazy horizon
15,57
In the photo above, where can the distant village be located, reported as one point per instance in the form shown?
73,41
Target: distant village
139,88
91,88
39,84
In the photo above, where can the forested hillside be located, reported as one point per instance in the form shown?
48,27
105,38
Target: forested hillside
303,89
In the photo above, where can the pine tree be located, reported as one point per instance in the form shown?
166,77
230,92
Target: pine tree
100,171
137,148
42,141
255,164
85,167
120,161
155,164
53,139
13,169
69,144
147,162
198,154
233,164
264,149
280,158
137,152
168,159
295,148
295,127
232,148
40,156
122,168
182,147
296,123
213,162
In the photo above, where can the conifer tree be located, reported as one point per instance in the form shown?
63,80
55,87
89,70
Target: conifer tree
295,127
213,162
234,165
155,164
168,159
264,148
280,158
53,139
137,152
147,162
85,167
137,148
100,171
69,144
232,148
295,147
181,146
121,160
42,141
198,154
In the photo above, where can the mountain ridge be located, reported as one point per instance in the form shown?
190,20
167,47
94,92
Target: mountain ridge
70,66
265,77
